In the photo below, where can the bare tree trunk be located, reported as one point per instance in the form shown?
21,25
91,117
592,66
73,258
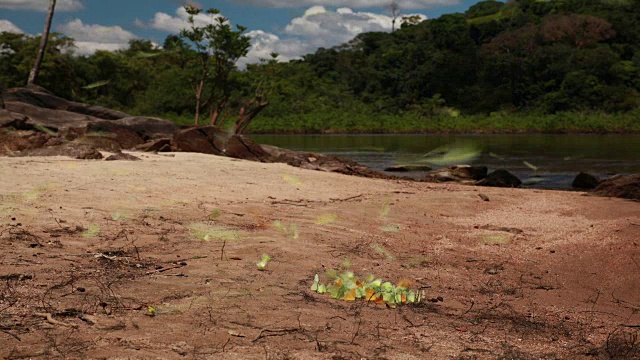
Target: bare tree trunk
198,97
394,9
43,44
215,114
245,117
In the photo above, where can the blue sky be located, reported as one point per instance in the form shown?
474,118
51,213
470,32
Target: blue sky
289,27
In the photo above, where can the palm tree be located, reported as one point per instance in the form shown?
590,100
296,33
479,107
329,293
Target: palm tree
43,44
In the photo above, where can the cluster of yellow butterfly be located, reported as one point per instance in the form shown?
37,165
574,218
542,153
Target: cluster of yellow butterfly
349,287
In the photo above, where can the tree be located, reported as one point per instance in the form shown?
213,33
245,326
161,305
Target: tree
394,9
218,48
43,44
266,72
577,30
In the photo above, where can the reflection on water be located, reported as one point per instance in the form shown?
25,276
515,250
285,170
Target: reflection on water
540,160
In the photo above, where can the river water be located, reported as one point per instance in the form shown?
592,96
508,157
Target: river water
540,160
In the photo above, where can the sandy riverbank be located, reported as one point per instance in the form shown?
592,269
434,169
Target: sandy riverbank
529,274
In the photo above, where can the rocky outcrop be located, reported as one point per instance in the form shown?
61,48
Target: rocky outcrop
500,178
457,173
585,181
626,187
56,120
320,162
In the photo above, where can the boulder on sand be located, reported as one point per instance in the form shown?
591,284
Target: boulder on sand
500,178
585,181
457,173
626,187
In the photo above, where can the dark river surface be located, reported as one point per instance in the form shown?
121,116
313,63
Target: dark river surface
540,160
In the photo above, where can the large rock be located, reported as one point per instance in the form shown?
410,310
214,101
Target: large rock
215,141
40,97
585,181
239,147
149,128
627,187
56,120
205,140
103,135
457,173
124,135
73,150
500,178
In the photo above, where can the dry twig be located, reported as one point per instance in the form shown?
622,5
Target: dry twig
53,321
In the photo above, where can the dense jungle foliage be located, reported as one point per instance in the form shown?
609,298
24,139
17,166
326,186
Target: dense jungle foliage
527,65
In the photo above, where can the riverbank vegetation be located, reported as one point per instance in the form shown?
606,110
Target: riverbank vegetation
523,66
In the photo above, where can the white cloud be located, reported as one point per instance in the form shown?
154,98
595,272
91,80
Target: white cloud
174,24
354,4
327,28
90,38
318,27
263,44
8,26
41,5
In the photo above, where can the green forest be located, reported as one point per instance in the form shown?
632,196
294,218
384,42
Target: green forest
524,65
